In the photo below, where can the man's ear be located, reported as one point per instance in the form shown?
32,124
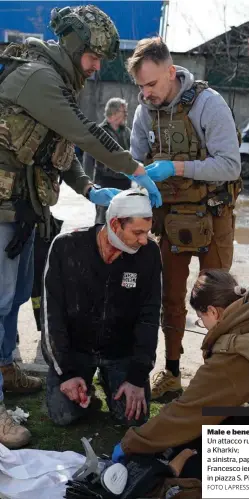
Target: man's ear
114,223
172,72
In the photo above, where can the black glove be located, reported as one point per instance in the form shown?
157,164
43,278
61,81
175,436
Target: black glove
26,219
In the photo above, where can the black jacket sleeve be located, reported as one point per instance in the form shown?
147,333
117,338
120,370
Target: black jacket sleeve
55,340
146,330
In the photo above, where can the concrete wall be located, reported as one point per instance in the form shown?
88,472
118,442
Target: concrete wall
241,105
196,65
96,94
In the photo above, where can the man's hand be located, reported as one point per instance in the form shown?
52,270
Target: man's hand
146,182
135,400
154,194
103,196
73,389
140,170
161,170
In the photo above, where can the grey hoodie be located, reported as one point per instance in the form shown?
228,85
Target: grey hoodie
214,124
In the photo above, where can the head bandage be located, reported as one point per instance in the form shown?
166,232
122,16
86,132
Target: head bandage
129,203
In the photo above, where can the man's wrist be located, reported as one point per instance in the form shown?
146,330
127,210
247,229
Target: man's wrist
67,376
140,170
179,168
137,375
87,190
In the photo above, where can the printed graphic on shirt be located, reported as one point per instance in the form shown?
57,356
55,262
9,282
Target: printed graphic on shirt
129,280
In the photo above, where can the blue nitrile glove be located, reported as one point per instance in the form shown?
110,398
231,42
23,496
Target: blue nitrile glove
102,197
146,182
161,170
117,454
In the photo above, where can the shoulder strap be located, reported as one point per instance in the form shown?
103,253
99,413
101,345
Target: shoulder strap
188,98
11,58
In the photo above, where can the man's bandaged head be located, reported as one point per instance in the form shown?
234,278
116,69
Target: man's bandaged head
129,203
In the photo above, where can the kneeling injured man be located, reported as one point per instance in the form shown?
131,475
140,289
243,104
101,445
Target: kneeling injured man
101,309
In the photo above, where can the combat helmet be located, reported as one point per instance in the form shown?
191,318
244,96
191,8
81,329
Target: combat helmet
85,28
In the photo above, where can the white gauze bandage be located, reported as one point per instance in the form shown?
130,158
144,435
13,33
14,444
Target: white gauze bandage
129,203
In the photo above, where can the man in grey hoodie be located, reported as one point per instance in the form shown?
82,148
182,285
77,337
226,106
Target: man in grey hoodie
186,133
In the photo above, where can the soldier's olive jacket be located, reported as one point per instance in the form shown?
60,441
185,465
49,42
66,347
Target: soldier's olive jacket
40,89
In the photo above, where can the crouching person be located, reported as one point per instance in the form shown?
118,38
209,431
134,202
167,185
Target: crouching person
101,308
221,381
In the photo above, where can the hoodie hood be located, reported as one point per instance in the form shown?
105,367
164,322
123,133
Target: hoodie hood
185,77
234,324
55,52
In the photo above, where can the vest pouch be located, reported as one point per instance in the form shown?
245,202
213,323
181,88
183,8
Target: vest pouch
7,180
234,189
63,155
20,133
158,220
182,190
47,186
175,132
189,228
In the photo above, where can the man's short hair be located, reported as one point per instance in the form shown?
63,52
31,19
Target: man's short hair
153,49
127,220
113,106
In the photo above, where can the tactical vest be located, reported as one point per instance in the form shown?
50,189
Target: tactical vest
33,145
186,215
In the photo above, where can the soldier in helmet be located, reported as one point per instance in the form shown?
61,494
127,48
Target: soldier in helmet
40,122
